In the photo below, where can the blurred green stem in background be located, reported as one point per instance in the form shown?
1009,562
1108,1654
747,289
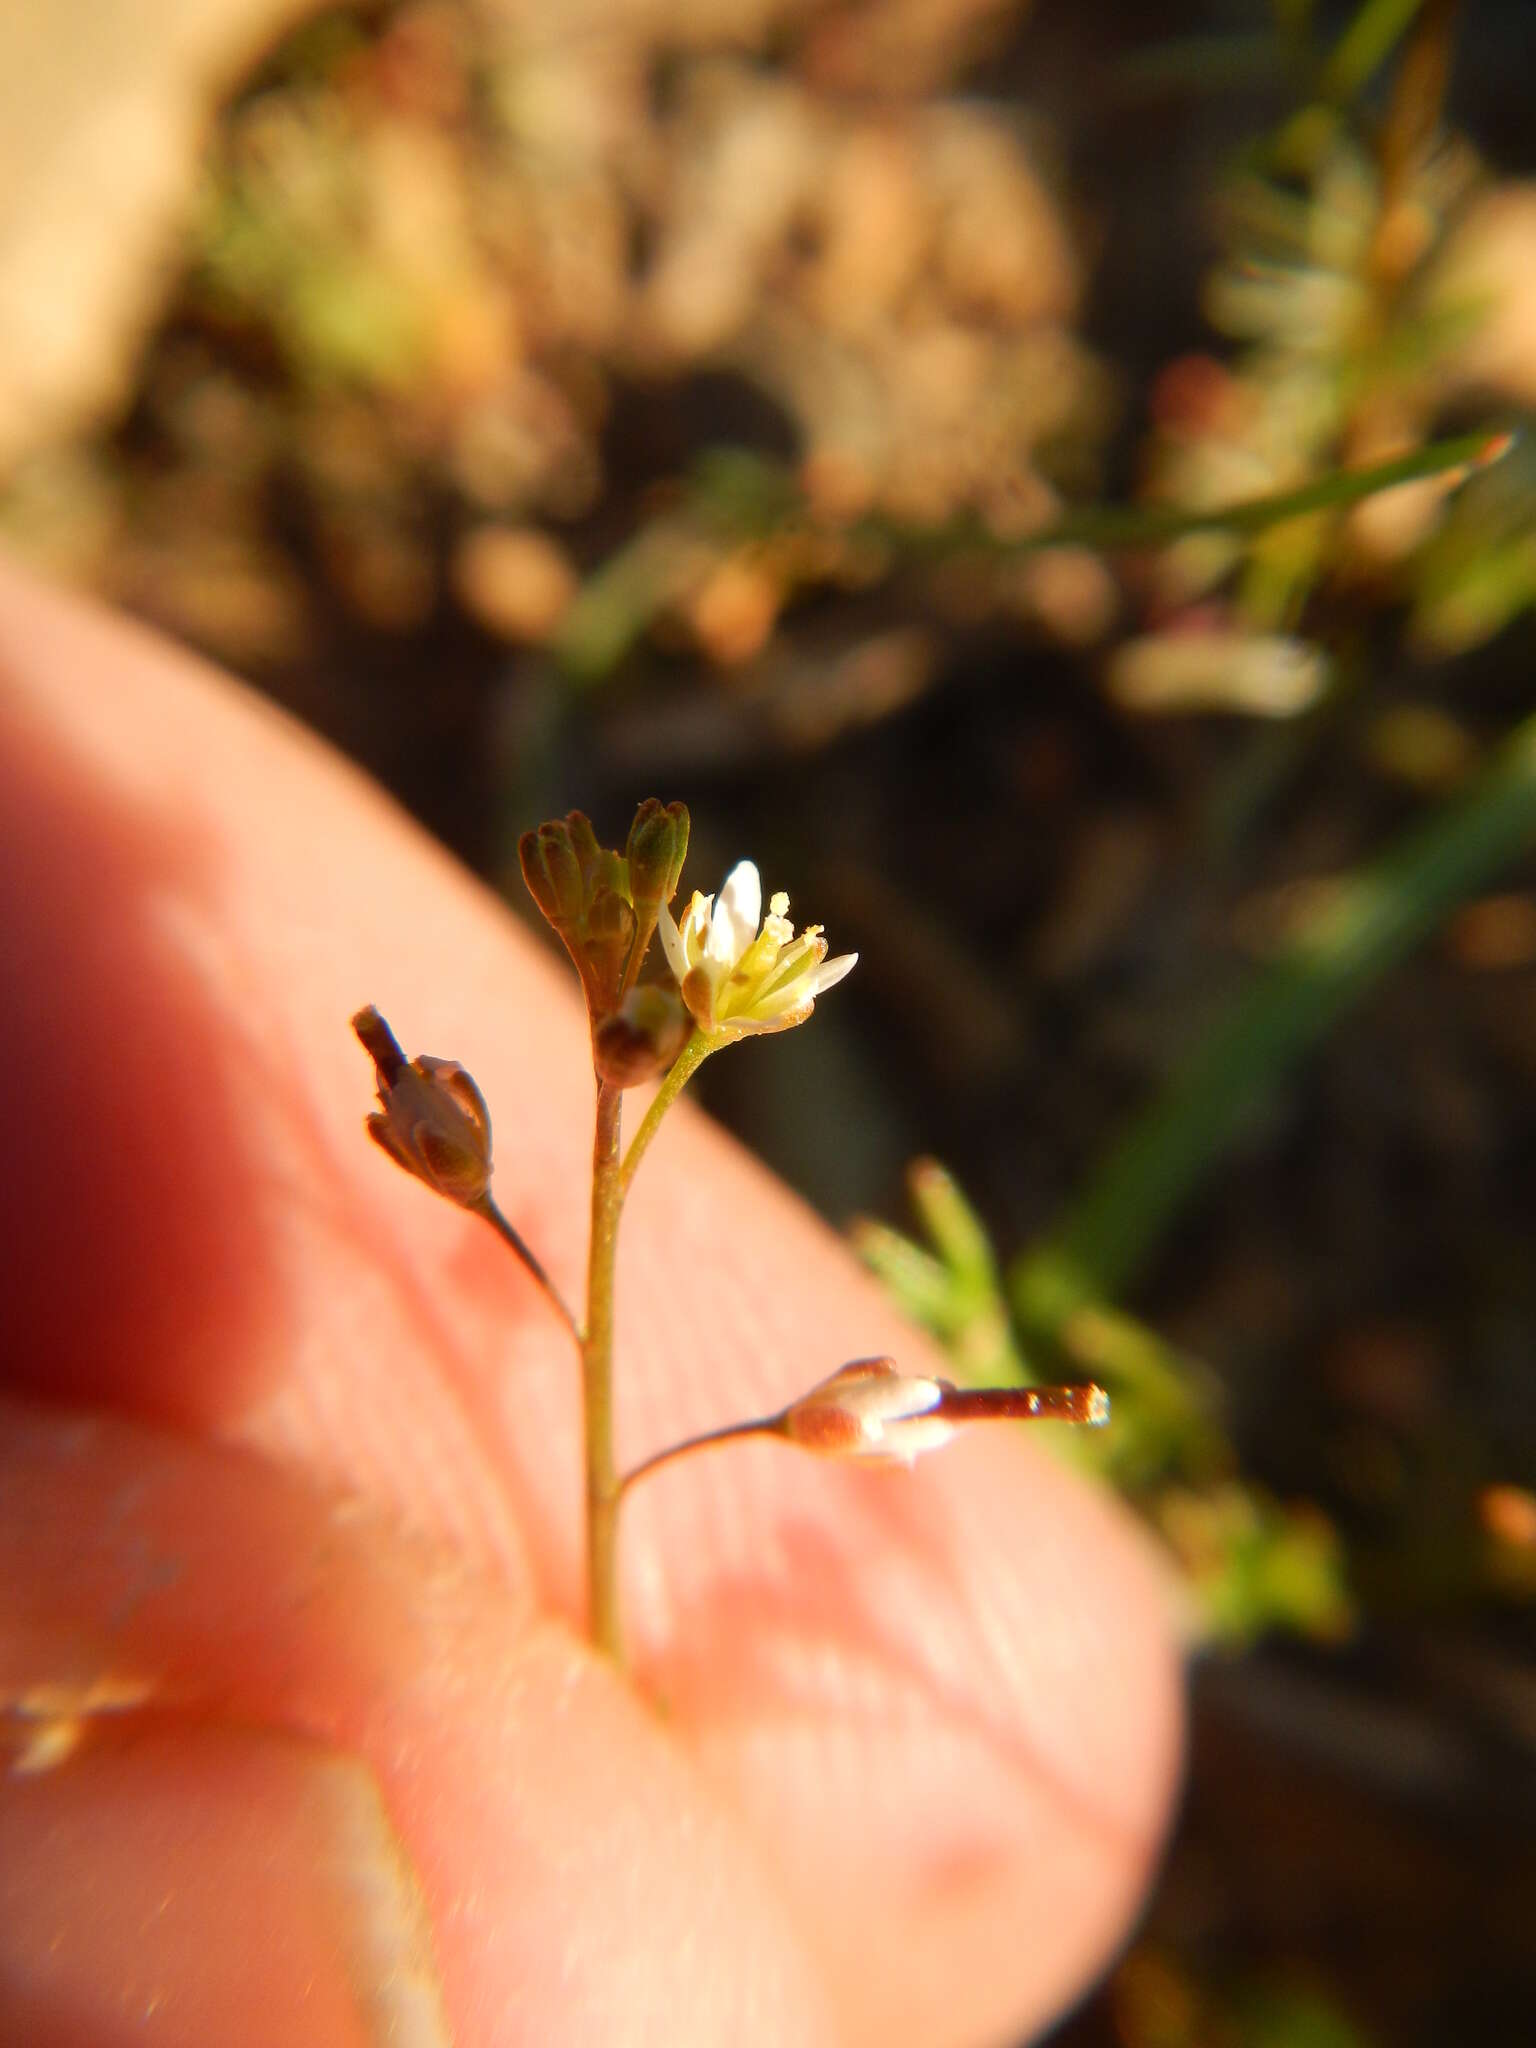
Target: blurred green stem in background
1247,1562
953,1287
1367,925
1138,526
1364,46
742,497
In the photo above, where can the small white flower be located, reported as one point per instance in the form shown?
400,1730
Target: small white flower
736,978
870,1411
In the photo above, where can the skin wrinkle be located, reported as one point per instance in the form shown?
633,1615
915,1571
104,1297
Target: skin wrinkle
900,1514
432,1335
756,1687
432,1314
731,1298
464,1484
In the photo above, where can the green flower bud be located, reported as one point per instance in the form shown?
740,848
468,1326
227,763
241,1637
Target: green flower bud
657,847
553,874
600,869
604,904
606,945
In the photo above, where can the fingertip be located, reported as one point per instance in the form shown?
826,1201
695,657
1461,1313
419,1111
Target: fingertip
950,1706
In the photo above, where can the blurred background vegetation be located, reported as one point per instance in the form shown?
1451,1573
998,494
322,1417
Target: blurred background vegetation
830,412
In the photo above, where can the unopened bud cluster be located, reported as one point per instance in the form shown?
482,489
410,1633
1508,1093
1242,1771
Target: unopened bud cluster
604,906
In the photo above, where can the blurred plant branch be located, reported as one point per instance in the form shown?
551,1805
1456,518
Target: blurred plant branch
734,498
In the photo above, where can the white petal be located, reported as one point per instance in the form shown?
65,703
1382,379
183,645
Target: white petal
753,1027
738,913
907,1438
889,1397
672,943
827,975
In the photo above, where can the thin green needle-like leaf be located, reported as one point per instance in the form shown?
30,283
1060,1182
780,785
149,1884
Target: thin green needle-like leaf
1219,63
1139,526
616,604
1365,46
620,599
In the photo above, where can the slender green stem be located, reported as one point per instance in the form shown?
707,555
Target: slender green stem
602,1485
1140,526
762,1426
1364,47
487,1208
679,1074
611,1176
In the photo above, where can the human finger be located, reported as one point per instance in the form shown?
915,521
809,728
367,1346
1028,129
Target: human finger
950,1700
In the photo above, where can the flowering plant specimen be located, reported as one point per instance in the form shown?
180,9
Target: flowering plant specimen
733,973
